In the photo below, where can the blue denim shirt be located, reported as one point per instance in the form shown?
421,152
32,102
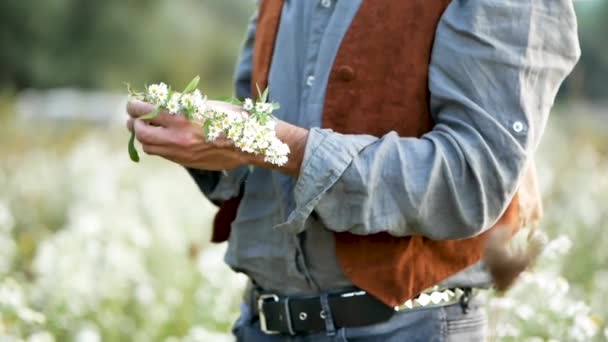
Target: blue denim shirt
495,69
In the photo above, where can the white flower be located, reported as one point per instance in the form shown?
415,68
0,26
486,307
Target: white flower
228,119
268,108
31,316
88,334
214,133
145,294
187,100
234,133
248,105
7,220
41,336
173,104
277,152
200,101
260,107
11,294
158,93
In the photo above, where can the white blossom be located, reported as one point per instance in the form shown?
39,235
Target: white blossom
200,101
173,105
248,104
260,107
88,334
158,93
41,336
250,133
187,100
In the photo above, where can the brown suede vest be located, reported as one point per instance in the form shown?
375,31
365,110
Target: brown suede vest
381,69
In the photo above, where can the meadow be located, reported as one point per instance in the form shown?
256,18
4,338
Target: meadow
96,248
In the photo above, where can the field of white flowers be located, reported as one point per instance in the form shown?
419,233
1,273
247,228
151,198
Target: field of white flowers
96,248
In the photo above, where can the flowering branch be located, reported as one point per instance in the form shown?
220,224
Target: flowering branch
252,130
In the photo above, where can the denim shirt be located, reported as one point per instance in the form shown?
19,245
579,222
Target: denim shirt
495,69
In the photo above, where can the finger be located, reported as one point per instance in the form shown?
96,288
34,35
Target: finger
136,108
166,119
148,134
130,122
163,152
156,150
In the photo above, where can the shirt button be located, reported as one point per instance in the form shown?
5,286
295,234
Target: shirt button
326,3
518,126
310,81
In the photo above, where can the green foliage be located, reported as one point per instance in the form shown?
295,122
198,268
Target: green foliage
588,80
79,43
192,85
133,154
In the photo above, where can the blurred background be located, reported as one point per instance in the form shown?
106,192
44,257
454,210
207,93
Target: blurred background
96,248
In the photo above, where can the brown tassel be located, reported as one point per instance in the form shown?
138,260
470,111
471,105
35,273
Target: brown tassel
506,264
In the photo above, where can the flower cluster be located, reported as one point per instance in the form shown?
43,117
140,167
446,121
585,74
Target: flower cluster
251,129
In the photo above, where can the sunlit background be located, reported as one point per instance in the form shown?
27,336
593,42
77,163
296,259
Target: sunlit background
96,248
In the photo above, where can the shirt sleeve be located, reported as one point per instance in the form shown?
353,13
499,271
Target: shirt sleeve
221,186
495,70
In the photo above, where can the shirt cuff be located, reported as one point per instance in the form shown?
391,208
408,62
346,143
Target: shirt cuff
219,186
327,155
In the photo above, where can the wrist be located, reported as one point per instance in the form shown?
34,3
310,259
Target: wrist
295,137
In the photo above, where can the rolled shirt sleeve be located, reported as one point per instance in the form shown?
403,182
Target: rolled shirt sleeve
495,70
220,186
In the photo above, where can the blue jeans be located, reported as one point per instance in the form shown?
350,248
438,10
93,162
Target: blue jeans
437,324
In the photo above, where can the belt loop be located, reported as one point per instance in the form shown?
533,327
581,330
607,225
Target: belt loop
465,299
327,315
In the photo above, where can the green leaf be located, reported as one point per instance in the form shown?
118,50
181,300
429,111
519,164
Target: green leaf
264,96
188,113
226,99
132,150
206,126
259,91
263,119
152,114
192,85
276,106
231,99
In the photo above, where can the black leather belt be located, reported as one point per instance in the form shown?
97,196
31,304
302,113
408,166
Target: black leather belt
304,315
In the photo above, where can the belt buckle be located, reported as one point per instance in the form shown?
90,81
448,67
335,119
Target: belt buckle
261,300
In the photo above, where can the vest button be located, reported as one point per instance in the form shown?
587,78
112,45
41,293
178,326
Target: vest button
346,73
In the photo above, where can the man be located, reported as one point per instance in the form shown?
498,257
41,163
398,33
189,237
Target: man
430,113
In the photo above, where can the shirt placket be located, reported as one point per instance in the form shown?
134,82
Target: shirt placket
318,24
321,15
